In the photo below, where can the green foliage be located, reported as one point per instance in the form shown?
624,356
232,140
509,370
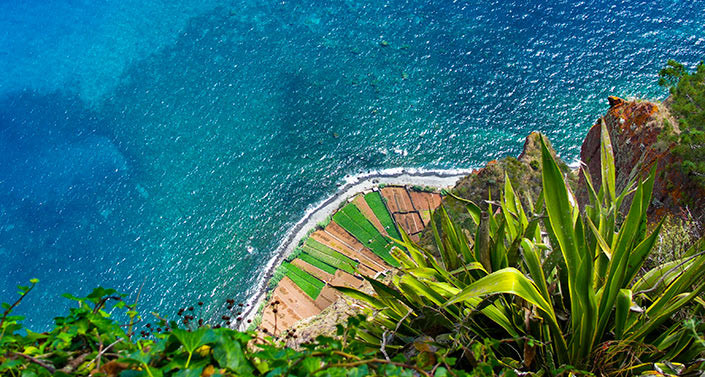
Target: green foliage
674,240
420,188
90,341
277,276
558,288
324,223
294,254
688,105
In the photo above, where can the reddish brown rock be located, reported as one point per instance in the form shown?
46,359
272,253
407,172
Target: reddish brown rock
634,128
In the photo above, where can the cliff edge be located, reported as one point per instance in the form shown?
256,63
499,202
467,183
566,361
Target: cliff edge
639,133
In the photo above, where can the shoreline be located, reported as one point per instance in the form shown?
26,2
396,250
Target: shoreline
438,178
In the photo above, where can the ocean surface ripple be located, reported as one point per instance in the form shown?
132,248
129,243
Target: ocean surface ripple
173,143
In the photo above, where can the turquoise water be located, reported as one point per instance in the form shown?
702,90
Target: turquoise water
174,142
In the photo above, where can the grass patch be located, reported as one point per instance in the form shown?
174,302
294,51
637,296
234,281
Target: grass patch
307,282
374,200
294,254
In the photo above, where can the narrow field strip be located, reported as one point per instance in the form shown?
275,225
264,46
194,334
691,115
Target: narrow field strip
329,259
332,252
323,266
374,200
307,282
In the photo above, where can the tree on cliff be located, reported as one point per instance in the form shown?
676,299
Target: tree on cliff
687,102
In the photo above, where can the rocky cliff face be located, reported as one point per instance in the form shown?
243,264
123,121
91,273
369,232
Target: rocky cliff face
635,128
523,171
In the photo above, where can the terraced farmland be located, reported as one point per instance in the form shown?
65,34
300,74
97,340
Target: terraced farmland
329,256
354,244
352,220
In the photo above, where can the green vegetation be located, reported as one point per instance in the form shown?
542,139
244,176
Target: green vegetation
527,284
548,289
327,255
91,340
688,105
277,276
294,253
374,200
318,263
350,218
545,290
324,223
307,282
423,188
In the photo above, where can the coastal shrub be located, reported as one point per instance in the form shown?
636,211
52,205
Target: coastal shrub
277,276
91,340
676,237
324,223
556,287
294,253
420,188
687,103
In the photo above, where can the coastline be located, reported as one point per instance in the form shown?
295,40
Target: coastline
440,178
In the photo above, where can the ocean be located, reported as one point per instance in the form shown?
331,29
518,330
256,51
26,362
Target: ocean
172,144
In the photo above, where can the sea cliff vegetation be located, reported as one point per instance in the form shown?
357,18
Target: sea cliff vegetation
687,102
515,282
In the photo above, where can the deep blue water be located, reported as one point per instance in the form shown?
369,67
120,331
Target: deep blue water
173,142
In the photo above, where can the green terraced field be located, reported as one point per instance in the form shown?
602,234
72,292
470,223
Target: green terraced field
307,282
355,215
374,200
327,255
352,220
323,266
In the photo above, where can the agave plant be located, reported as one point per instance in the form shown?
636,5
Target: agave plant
553,284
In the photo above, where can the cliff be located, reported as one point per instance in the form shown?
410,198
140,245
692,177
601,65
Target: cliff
640,133
523,171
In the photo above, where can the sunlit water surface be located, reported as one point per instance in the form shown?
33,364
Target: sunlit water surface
174,142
